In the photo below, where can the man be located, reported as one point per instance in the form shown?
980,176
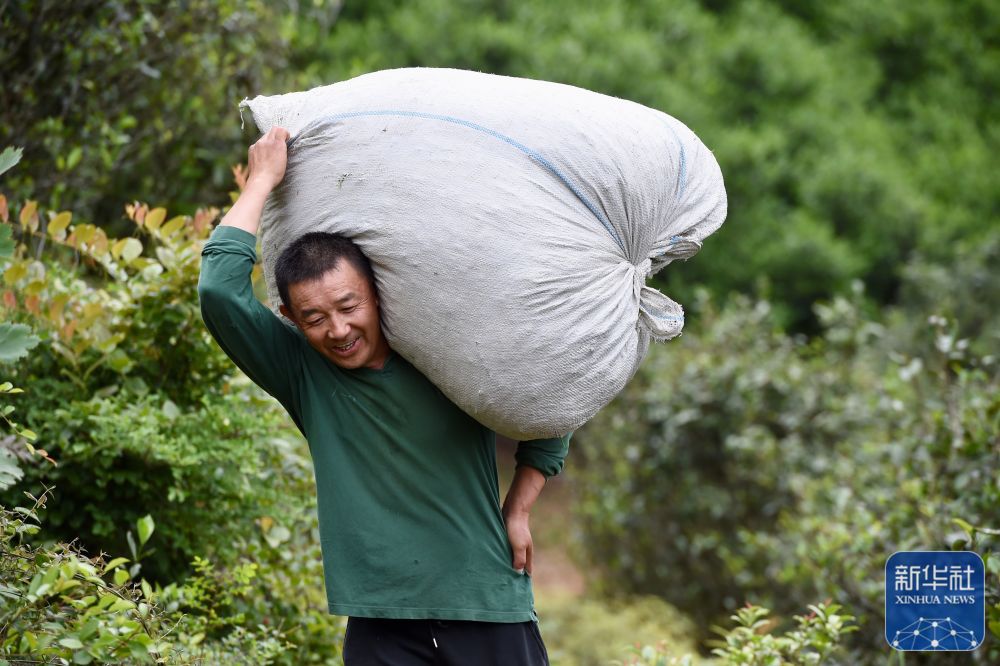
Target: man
417,549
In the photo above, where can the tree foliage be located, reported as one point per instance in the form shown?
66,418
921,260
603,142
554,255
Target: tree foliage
119,97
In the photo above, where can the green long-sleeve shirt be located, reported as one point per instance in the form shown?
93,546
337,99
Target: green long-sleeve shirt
407,492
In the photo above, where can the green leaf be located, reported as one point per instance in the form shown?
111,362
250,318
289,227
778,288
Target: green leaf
145,527
131,544
115,563
138,650
82,657
10,472
71,643
172,226
15,341
6,242
131,249
277,535
154,218
965,526
121,577
170,410
57,227
9,157
73,158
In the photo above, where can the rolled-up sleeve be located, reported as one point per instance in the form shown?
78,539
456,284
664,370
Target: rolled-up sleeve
545,455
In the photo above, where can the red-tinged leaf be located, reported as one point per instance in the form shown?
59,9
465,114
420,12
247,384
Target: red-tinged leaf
45,454
4,213
56,307
9,300
31,304
240,174
203,219
100,244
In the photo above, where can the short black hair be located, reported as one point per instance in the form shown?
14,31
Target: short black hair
312,255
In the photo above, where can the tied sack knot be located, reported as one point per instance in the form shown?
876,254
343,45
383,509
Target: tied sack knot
662,317
642,271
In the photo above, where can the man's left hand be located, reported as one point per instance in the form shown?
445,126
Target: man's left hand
519,534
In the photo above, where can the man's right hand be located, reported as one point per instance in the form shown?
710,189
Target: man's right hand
267,159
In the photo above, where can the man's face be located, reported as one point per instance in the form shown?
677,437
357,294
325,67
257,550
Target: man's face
338,313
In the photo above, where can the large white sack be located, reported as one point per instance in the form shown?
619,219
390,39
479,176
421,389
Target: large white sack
511,224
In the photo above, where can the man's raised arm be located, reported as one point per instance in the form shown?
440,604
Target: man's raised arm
264,347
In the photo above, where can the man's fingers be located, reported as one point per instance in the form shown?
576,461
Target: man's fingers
527,560
519,558
278,133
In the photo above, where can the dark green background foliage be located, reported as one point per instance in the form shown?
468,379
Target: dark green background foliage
115,100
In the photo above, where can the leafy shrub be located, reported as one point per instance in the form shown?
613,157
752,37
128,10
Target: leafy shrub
64,607
743,463
131,397
752,641
143,413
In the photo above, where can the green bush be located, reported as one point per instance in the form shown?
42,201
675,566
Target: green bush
139,412
134,406
815,640
64,607
745,464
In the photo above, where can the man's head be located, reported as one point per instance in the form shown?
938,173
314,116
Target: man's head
327,289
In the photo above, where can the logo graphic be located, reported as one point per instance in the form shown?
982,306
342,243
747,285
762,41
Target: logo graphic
935,600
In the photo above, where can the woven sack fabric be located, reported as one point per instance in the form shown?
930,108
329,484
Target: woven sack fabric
511,224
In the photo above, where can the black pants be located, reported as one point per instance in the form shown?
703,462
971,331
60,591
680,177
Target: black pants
371,642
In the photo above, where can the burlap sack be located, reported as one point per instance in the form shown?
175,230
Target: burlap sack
511,224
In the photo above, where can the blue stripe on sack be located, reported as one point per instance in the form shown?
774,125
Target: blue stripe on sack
534,154
668,317
682,176
673,241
